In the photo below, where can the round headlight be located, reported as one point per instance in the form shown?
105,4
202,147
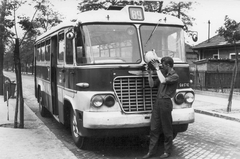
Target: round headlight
97,101
179,98
189,97
109,101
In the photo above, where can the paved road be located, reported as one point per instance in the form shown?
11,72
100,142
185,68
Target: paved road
208,138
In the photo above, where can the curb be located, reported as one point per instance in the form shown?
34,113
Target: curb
219,115
32,114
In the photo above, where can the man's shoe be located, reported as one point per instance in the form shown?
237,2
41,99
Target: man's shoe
165,155
148,155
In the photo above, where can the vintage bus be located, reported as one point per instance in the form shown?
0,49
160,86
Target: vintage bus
91,75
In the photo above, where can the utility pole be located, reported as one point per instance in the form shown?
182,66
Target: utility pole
179,10
209,30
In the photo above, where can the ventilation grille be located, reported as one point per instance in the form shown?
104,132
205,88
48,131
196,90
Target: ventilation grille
135,94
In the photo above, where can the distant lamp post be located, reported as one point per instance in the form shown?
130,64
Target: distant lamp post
209,23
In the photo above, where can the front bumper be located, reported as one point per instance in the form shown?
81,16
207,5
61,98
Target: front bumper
117,120
183,116
114,120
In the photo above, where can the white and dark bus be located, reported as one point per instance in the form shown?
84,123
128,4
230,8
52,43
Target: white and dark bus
90,74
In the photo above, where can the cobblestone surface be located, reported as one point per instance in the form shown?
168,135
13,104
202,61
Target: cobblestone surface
210,138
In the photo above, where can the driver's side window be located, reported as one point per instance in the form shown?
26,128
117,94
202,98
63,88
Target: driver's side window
81,57
172,45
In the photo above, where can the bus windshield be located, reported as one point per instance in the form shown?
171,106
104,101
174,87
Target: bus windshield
108,43
165,40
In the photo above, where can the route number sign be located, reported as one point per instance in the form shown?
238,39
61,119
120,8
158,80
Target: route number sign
136,13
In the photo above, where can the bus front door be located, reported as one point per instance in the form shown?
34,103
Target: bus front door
53,74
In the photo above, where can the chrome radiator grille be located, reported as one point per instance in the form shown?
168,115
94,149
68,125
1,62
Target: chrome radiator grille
134,94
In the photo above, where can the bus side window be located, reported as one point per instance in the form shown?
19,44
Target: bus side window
69,51
61,47
38,52
47,52
80,54
43,51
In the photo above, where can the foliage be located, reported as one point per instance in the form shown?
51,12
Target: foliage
27,25
150,6
6,23
45,19
179,10
8,58
175,9
230,31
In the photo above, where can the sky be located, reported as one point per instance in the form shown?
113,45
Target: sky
203,11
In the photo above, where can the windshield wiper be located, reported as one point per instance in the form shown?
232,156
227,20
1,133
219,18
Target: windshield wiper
152,32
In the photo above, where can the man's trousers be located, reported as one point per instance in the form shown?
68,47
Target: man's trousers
161,123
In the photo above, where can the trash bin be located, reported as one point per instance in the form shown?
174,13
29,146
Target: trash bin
13,89
6,88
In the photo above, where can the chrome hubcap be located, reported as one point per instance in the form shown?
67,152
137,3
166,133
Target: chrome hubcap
74,126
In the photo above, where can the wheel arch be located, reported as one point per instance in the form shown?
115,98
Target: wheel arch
68,105
38,92
39,89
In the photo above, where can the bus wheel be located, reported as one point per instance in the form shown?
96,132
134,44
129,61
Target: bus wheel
79,140
43,110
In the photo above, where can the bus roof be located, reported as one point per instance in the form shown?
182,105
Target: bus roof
117,16
124,16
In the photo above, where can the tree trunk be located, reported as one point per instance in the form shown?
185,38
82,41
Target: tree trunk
20,100
234,77
2,45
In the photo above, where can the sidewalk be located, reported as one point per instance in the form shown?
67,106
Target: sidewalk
215,104
35,141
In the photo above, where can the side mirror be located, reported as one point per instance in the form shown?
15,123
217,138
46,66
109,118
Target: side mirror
195,36
70,35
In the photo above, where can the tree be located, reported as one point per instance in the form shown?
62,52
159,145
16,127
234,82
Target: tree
4,35
45,20
231,32
179,10
27,53
42,20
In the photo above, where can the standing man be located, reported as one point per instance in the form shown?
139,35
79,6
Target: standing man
161,120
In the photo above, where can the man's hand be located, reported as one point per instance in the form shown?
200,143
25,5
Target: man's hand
149,71
155,63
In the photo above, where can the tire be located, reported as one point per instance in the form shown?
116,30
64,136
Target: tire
80,141
43,110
